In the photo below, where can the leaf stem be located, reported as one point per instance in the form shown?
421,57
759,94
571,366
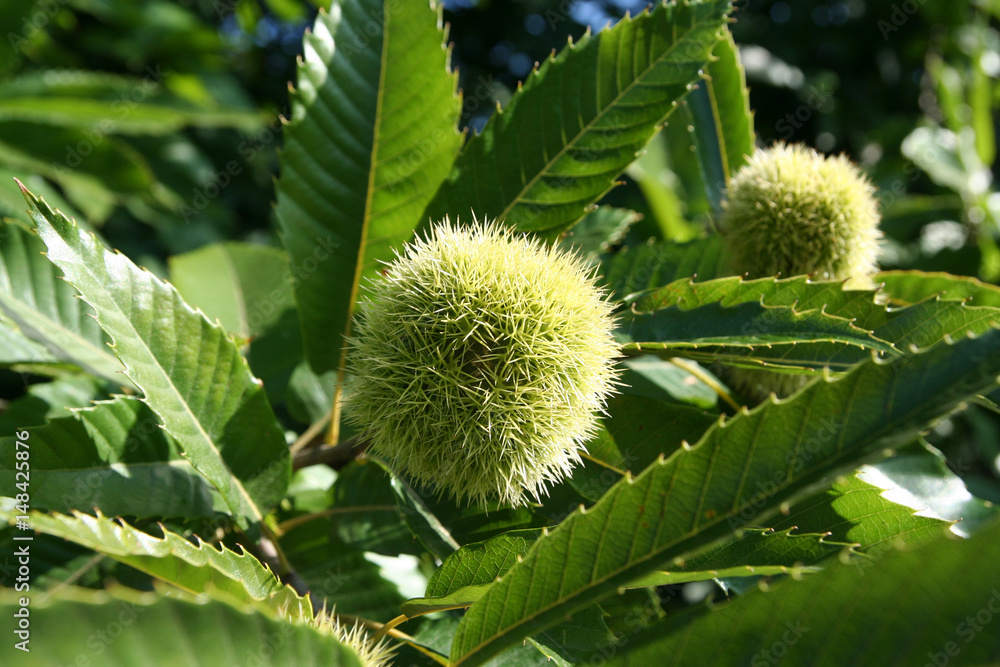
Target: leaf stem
436,657
333,435
332,455
381,632
276,559
689,366
605,464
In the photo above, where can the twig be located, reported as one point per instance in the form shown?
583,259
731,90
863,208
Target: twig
332,455
275,558
395,634
334,432
310,434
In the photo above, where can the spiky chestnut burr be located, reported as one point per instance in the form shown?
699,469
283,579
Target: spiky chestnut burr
792,211
368,652
479,362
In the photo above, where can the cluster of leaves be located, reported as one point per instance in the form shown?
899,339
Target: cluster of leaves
956,148
134,117
163,462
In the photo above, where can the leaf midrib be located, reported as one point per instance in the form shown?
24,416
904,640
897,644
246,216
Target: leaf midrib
233,479
871,436
365,224
600,115
139,274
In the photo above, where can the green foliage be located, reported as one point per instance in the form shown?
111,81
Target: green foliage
190,372
712,317
160,630
247,288
742,469
719,122
656,263
466,574
626,80
883,599
127,122
48,322
187,467
112,457
239,578
371,136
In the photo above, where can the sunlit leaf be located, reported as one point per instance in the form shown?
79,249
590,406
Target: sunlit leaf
127,630
541,161
373,132
750,464
46,309
191,372
938,597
